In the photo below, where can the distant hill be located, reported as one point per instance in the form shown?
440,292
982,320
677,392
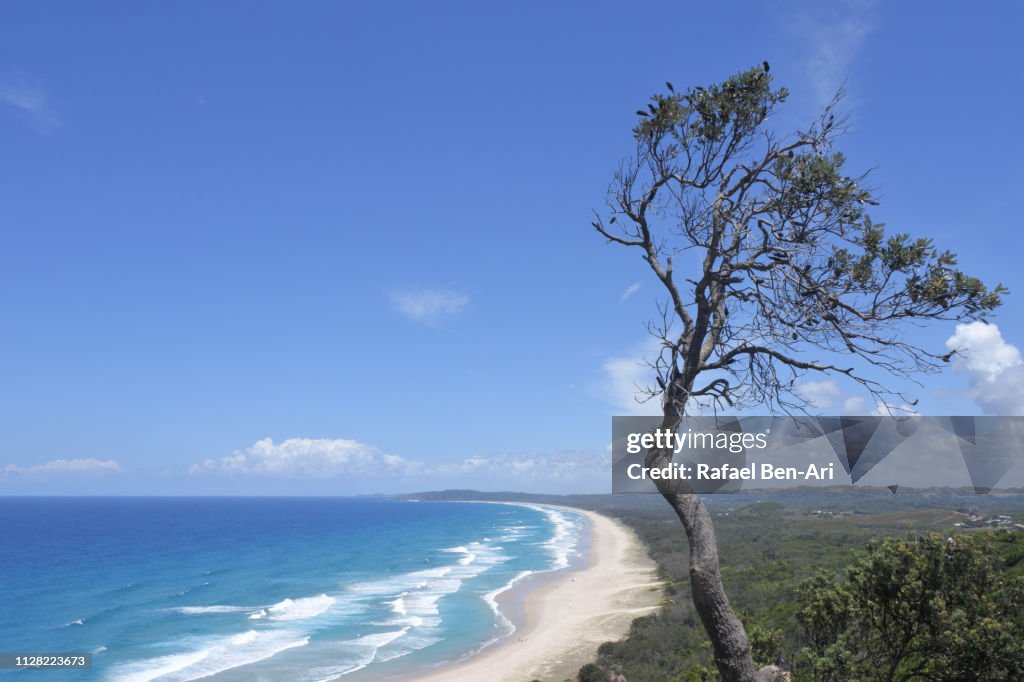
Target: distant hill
838,498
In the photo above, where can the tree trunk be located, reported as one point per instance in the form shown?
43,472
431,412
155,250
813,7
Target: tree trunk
728,637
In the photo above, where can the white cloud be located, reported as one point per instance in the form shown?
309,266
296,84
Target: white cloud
994,367
309,458
884,409
30,102
305,457
983,350
429,305
560,465
820,394
626,382
854,406
630,290
625,379
835,33
65,466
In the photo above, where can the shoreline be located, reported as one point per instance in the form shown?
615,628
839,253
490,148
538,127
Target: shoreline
566,615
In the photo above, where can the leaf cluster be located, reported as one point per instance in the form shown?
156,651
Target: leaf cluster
783,271
930,608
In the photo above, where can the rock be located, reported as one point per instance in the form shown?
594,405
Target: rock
772,673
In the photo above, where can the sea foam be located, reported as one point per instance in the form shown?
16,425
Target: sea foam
216,608
215,656
367,614
300,609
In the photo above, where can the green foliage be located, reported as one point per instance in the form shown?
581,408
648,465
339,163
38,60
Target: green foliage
592,672
765,642
933,608
770,543
792,271
768,549
932,283
704,117
700,673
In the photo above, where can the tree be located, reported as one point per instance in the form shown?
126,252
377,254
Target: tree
592,672
931,608
785,275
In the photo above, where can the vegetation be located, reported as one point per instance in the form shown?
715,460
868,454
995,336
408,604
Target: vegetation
780,557
928,608
773,557
772,269
591,672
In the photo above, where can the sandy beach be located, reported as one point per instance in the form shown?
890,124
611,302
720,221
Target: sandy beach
570,615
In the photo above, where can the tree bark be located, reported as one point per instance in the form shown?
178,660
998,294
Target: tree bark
725,630
728,637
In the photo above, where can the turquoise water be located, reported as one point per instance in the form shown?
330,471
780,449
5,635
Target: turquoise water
298,589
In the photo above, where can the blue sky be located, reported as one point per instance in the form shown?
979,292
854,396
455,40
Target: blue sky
345,247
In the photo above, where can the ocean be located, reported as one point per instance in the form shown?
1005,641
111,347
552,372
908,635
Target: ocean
297,589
